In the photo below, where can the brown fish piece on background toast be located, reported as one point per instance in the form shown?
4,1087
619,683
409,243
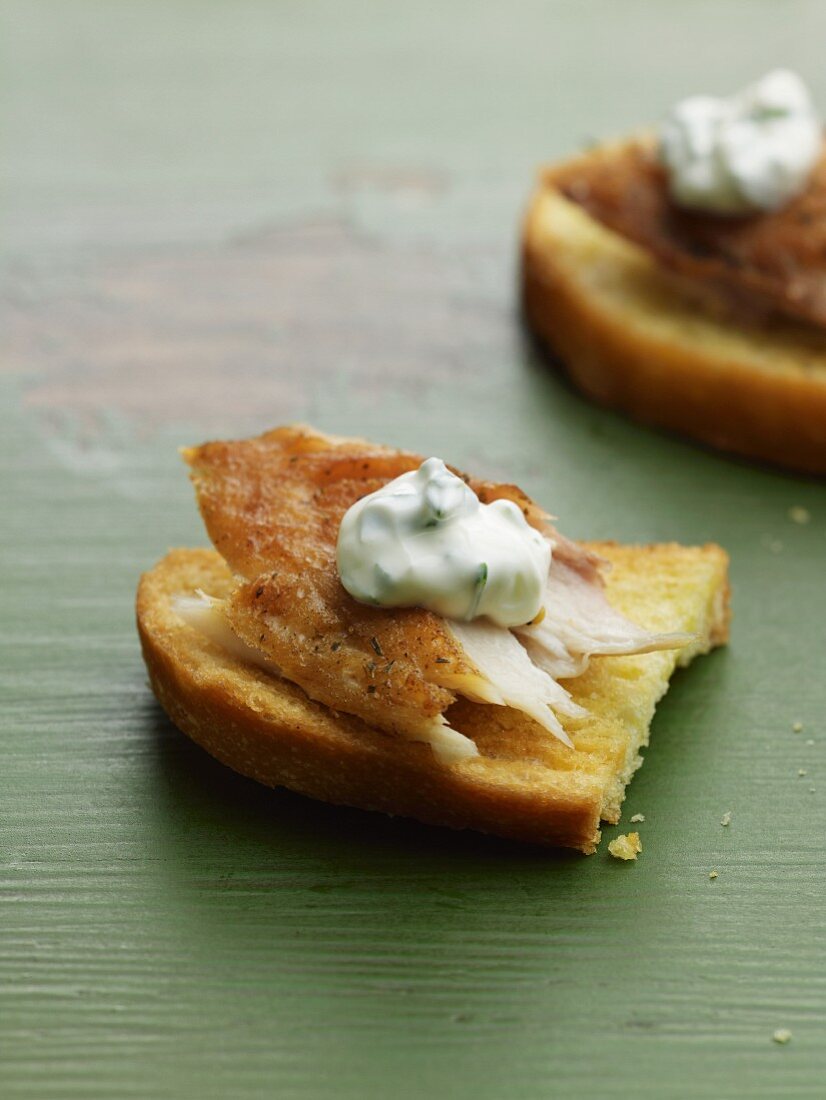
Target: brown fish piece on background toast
714,327
771,262
301,686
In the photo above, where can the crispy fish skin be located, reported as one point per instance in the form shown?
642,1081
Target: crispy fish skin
354,658
284,494
281,496
272,507
761,264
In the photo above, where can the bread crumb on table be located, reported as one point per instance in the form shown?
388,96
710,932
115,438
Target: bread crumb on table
637,818
801,772
797,727
782,1035
799,514
625,846
725,820
713,874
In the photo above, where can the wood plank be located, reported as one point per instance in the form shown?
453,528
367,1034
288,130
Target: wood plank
225,216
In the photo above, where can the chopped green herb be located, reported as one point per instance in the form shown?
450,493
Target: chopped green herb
766,114
442,661
383,582
481,581
388,666
374,642
335,646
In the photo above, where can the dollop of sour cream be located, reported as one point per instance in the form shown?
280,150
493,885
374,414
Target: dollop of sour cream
752,152
426,540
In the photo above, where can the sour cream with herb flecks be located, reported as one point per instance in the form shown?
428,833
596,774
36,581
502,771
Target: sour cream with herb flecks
752,152
426,540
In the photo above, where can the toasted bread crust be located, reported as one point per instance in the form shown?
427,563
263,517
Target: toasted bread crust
269,730
631,338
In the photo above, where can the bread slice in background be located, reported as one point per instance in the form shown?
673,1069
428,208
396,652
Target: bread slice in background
524,785
633,336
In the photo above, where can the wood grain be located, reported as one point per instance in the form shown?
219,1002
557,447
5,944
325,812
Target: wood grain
224,216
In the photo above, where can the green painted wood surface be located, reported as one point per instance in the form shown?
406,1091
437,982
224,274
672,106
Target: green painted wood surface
220,216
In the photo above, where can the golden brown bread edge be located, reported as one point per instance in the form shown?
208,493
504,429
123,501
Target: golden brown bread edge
271,731
731,401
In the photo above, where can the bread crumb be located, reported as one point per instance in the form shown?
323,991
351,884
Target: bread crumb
725,820
637,818
625,846
797,727
776,546
801,772
812,790
810,741
799,514
712,874
782,1035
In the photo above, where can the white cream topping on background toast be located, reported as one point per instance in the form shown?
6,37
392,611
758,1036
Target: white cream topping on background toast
749,153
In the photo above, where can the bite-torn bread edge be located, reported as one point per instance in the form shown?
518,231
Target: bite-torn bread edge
632,336
271,731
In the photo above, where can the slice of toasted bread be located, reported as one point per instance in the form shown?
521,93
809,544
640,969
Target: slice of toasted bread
632,336
524,784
